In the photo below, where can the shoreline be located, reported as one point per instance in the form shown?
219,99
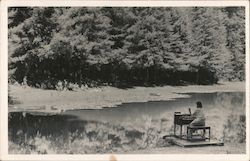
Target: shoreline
53,101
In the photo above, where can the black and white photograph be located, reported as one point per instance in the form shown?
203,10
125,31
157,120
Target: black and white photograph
127,80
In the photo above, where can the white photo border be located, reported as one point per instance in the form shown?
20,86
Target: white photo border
111,3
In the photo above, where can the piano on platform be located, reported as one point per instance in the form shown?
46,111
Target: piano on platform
194,136
181,119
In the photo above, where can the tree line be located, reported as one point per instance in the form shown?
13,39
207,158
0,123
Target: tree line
126,46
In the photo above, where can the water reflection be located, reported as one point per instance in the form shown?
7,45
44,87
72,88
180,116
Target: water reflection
129,125
136,113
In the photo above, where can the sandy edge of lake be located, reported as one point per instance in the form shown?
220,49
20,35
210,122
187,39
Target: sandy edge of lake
34,99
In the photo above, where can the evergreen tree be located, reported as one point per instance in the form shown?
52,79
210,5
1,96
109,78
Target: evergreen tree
126,45
26,41
235,26
207,41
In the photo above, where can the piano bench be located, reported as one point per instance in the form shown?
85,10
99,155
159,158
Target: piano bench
191,129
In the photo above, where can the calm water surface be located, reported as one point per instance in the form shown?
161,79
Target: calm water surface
135,113
128,126
217,105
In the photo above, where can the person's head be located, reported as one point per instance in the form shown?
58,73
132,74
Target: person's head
199,104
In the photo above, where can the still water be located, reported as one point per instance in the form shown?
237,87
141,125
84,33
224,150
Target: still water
217,107
128,127
136,112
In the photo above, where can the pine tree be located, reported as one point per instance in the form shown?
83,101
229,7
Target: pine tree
87,32
235,26
27,40
126,45
207,41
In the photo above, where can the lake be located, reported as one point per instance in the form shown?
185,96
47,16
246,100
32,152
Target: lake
136,112
127,124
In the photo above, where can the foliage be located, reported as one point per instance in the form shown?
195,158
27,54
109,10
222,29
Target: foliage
97,137
79,138
235,129
126,46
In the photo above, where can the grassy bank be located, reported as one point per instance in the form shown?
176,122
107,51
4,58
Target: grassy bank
34,99
91,137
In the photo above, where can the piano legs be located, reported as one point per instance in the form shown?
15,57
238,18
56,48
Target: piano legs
180,135
181,132
175,129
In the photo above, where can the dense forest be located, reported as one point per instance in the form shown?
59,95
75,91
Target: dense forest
125,46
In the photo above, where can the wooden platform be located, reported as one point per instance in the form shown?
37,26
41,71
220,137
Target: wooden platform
185,143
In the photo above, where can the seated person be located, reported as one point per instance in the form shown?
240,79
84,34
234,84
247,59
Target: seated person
199,117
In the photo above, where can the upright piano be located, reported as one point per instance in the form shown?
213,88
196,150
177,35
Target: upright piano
181,119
